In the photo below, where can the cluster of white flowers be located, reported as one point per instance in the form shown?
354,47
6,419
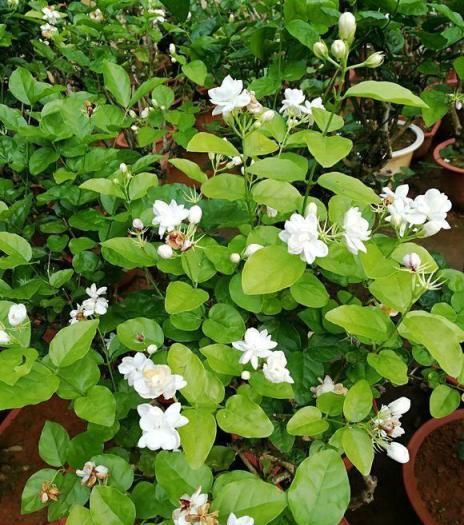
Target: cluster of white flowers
51,17
386,426
169,218
17,314
159,15
258,345
150,381
95,304
297,108
159,429
91,473
425,215
231,96
196,509
328,385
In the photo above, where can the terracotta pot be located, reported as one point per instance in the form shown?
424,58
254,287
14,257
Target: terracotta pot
428,140
409,477
402,158
453,176
13,414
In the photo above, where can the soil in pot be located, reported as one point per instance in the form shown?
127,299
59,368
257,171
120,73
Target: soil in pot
404,140
440,473
19,457
453,154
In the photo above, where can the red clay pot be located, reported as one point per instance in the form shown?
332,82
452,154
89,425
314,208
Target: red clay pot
428,140
453,182
409,477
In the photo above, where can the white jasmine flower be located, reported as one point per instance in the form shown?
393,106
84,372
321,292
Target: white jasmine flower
387,422
235,258
4,338
96,16
302,237
131,367
192,508
77,315
275,368
398,452
48,31
310,105
293,103
91,473
159,428
157,380
160,15
228,96
251,249
400,207
256,344
195,501
165,251
50,15
412,261
432,207
244,520
95,305
400,406
17,314
195,214
271,212
168,216
328,385
356,230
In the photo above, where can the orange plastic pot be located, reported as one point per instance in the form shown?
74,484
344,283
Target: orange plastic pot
409,477
453,176
428,140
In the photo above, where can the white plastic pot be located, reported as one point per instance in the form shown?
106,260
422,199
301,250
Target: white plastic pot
401,158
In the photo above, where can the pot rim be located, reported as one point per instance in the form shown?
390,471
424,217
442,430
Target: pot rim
420,137
441,162
12,415
409,478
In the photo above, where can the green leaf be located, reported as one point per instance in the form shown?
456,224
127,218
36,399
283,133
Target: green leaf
409,247
37,386
79,516
307,421
61,277
197,436
140,184
361,321
72,342
266,388
18,251
181,297
250,497
76,379
109,506
145,88
140,332
41,159
443,401
208,143
374,262
359,449
328,150
395,291
71,492
191,169
103,186
26,89
224,324
54,444
278,169
117,82
196,71
277,194
309,291
441,337
97,406
144,498
177,477
389,365
327,121
179,8
271,269
244,417
320,491
225,186
251,303
350,187
222,359
128,253
203,388
385,92
303,32
358,401
256,144
16,363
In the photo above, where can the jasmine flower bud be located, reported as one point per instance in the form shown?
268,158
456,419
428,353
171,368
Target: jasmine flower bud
123,168
137,224
245,375
195,214
339,49
251,249
151,349
347,27
165,251
374,60
234,258
412,261
320,50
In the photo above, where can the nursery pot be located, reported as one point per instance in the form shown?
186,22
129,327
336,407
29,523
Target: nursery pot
402,158
453,175
428,140
409,476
